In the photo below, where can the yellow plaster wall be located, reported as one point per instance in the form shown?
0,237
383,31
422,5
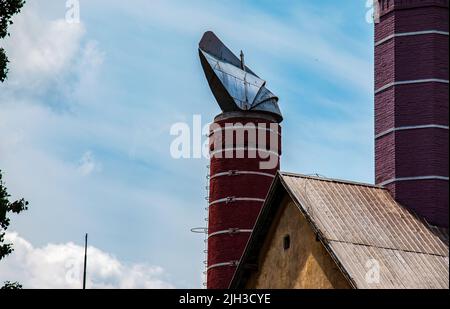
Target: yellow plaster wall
305,265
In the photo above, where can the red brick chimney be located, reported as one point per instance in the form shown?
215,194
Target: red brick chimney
239,184
411,105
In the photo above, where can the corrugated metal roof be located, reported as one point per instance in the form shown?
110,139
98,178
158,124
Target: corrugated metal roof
363,227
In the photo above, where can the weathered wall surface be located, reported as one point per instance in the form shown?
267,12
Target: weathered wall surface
305,265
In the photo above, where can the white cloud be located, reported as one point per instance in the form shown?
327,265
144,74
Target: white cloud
45,54
61,266
88,164
40,49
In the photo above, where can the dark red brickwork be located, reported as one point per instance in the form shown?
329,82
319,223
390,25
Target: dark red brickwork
409,105
384,55
401,154
421,56
242,215
421,104
429,198
411,58
431,17
385,110
388,6
385,158
234,246
418,152
387,29
421,152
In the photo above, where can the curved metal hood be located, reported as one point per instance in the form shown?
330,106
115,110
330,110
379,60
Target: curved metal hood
235,86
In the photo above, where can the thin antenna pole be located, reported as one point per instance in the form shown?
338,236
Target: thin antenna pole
245,79
243,61
85,261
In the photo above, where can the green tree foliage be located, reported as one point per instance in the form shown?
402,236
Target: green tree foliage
7,207
11,286
8,8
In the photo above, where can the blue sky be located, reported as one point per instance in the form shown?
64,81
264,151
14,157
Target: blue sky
86,113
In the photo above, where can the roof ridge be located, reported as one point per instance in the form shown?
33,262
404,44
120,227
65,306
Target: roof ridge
337,180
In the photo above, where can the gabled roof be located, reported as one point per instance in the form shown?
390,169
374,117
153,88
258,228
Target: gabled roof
358,224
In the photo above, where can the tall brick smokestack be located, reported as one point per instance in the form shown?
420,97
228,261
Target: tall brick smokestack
238,188
411,105
245,148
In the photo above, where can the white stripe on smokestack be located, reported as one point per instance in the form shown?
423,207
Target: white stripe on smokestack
410,34
425,126
231,199
230,231
413,178
409,82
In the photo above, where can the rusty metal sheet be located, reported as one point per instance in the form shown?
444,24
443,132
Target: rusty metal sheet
360,223
397,269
